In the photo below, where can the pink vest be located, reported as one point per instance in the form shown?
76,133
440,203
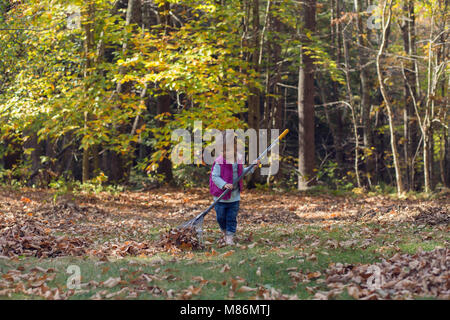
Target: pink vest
226,173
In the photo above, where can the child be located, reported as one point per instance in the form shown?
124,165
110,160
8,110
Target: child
223,175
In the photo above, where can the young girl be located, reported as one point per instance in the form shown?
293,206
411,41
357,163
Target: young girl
223,175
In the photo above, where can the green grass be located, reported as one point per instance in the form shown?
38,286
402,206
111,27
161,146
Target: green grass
277,248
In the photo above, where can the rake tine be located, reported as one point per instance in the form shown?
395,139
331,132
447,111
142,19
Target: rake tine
198,226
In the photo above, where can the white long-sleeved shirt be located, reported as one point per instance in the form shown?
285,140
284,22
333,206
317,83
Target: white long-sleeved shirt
220,183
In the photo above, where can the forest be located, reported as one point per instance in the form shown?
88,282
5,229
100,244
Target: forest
91,90
92,93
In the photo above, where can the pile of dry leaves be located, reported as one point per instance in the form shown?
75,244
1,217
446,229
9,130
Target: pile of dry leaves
417,213
128,248
33,283
63,209
183,238
433,216
30,237
401,277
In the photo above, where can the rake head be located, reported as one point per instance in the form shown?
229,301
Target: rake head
195,224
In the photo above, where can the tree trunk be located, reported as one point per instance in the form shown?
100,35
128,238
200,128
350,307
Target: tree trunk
165,166
121,164
88,47
352,107
331,124
34,156
133,16
306,152
447,157
254,111
11,158
410,121
385,22
336,113
426,160
276,102
365,94
277,108
85,160
267,100
253,101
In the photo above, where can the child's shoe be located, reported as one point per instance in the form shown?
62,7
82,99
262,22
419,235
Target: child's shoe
229,240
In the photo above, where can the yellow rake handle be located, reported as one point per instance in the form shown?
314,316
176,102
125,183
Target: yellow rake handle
285,132
282,135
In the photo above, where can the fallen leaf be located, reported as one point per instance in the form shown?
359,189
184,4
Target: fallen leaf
225,268
111,282
227,254
246,289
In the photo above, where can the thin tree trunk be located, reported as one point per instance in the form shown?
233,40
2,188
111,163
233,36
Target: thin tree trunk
165,166
385,23
267,100
35,156
410,121
330,122
253,101
133,15
254,111
365,94
306,152
429,115
85,160
352,107
163,102
447,156
121,164
88,47
278,102
336,113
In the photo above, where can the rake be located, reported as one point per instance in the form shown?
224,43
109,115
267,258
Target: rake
197,222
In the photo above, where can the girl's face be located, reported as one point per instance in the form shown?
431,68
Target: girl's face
230,150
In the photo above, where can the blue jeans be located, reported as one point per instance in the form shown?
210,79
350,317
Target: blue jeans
226,213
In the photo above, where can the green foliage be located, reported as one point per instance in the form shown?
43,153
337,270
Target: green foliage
140,180
11,178
95,187
15,175
59,88
63,186
192,175
320,190
383,188
60,84
201,61
330,175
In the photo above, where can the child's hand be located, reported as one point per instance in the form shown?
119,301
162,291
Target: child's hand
257,163
228,186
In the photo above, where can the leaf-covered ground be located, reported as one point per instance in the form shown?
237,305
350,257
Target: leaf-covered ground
289,246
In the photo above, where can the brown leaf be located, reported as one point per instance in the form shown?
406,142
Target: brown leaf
246,289
225,268
111,282
227,254
314,275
